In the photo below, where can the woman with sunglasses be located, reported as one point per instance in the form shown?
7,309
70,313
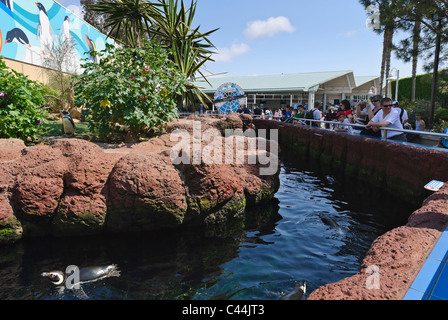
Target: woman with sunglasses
344,108
388,117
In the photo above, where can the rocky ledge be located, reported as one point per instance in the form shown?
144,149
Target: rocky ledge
395,258
75,187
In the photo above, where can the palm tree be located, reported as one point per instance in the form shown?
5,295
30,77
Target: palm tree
132,17
190,48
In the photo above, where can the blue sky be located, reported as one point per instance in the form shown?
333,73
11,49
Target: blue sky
260,37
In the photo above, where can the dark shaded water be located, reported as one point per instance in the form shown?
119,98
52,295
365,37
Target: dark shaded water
262,261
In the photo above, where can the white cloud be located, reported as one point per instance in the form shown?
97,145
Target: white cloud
269,27
351,33
227,54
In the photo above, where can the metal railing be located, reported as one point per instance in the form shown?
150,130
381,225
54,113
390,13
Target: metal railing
309,122
384,129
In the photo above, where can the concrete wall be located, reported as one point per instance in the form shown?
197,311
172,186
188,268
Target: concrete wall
33,72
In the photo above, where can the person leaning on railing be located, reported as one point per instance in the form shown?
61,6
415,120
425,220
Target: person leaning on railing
388,117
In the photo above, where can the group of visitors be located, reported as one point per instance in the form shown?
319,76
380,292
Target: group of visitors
370,116
367,118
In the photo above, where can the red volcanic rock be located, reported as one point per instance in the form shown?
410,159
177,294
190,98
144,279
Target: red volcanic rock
39,181
83,208
398,256
146,193
74,187
11,149
10,228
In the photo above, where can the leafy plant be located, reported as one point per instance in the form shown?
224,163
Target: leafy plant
170,23
131,17
439,126
190,48
132,87
21,114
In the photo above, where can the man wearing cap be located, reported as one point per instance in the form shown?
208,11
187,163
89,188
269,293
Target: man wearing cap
403,113
388,117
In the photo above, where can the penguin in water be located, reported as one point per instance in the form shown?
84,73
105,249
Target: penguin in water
86,275
68,125
17,35
44,29
298,293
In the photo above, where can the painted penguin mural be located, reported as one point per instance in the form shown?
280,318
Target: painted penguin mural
30,31
8,3
44,30
92,47
17,35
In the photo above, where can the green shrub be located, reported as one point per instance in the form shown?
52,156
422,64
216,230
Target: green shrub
21,100
423,88
133,87
442,114
421,107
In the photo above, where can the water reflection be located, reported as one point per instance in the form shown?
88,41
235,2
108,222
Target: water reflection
262,257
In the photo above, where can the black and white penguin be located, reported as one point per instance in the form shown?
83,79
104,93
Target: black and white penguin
298,293
17,35
8,3
68,125
45,30
86,275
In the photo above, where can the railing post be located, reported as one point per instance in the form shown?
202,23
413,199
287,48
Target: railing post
384,134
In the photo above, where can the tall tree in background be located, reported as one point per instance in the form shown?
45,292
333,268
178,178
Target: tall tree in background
433,17
411,48
94,18
387,28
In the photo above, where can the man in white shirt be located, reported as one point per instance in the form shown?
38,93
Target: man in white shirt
403,113
388,117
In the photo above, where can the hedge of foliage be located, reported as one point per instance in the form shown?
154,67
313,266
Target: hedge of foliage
133,87
423,85
21,100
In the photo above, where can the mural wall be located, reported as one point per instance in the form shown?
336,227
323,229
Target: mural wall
33,32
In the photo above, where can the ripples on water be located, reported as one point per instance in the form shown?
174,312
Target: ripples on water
262,261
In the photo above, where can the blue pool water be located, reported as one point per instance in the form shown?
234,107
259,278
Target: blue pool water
262,261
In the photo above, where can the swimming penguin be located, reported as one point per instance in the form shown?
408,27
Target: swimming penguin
17,35
330,222
45,30
68,125
298,293
8,3
92,47
86,275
